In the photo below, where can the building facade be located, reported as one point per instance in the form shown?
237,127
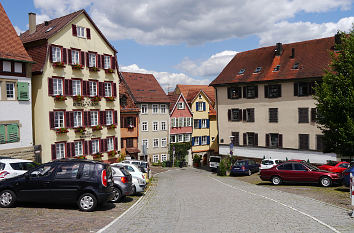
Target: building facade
16,138
75,88
154,116
265,105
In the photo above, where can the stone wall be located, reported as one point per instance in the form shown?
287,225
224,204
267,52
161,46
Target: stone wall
20,153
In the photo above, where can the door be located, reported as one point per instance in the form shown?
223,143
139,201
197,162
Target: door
301,173
285,171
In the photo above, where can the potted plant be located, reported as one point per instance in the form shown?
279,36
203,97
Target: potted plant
59,64
78,98
196,161
110,98
80,129
60,98
95,99
113,126
62,131
97,128
98,155
109,70
94,69
76,66
112,153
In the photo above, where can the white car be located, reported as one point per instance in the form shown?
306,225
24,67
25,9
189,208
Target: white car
138,163
269,163
214,162
138,185
14,167
133,170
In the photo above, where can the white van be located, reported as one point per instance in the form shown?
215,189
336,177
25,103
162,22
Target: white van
214,162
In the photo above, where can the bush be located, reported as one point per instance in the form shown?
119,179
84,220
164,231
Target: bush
225,165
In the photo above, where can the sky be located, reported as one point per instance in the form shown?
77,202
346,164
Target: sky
190,41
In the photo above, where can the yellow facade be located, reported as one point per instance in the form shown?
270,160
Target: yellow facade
43,103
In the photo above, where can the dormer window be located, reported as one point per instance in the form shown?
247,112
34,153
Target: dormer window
258,69
296,66
277,68
80,31
242,71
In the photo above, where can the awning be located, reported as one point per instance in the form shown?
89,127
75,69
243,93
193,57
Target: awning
132,150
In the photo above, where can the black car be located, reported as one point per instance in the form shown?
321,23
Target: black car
88,183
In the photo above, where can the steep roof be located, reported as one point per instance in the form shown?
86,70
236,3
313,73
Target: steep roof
190,91
173,97
11,46
145,88
312,56
124,91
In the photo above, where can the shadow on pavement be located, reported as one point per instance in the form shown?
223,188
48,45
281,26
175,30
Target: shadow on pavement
343,189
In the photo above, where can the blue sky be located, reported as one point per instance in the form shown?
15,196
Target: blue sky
190,42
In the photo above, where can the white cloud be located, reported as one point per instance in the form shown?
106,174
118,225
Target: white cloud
18,30
208,68
168,81
286,32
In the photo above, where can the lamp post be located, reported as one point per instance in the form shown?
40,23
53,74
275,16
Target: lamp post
231,145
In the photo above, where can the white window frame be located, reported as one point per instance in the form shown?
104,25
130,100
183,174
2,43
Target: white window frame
204,140
78,148
77,119
60,150
10,90
180,137
163,125
107,89
80,32
180,121
155,158
109,117
56,54
59,119
173,138
163,108
155,143
204,124
144,126
58,86
107,62
163,142
92,60
76,87
95,146
94,118
93,88
163,157
187,137
146,142
200,107
155,126
110,144
196,141
155,107
180,105
144,109
75,57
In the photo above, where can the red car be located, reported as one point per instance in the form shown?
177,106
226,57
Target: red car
335,166
301,172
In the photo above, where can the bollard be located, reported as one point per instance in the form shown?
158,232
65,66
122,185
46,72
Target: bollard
352,191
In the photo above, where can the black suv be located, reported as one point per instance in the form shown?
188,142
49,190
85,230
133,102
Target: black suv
88,183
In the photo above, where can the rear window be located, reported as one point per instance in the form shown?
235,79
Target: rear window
267,162
136,163
240,163
144,165
87,170
125,172
117,172
215,159
23,166
286,166
67,171
129,168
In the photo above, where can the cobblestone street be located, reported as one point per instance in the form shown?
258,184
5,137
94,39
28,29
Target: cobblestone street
191,200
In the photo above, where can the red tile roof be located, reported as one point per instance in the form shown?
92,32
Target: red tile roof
38,54
313,57
173,97
145,88
189,91
124,91
11,46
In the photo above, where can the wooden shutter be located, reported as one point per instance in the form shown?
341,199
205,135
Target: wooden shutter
72,149
85,88
71,117
208,123
101,145
296,89
90,147
114,88
244,111
67,120
88,33
82,57
65,55
192,141
85,149
244,92
239,115
74,29
208,140
256,139
252,115
266,91
229,92
105,145
267,140
256,91
87,60
51,120
313,114
229,114
200,123
50,86
68,150
245,139
280,140
98,58
86,116
115,118
116,143
279,90
70,57
66,87
54,156
51,53
197,106
113,62
2,134
12,133
102,117
204,106
22,91
101,89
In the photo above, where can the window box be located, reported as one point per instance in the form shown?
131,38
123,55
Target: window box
97,127
80,157
62,131
60,98
59,64
110,98
112,153
95,99
80,129
111,126
78,98
94,69
97,155
77,67
109,71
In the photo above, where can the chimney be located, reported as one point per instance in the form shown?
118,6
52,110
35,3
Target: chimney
32,22
278,49
293,53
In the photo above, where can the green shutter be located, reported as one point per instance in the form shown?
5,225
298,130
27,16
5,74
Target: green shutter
12,133
2,134
22,91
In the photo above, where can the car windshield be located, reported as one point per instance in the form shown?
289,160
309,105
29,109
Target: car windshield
312,167
240,163
23,166
215,159
267,162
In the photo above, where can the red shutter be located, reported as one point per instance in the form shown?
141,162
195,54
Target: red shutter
267,140
116,143
280,140
51,120
85,88
90,148
68,150
88,33
87,60
74,30
114,88
50,86
98,61
82,54
115,117
54,156
112,62
66,86
101,145
64,55
71,117
67,120
86,146
101,89
86,115
72,149
105,145
70,87
70,57
102,115
50,54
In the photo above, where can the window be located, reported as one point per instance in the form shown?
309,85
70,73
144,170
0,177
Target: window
145,143
144,126
9,133
235,139
18,67
107,89
319,143
107,62
196,124
163,142
304,88
188,121
180,121
249,115
144,109
163,108
273,115
277,68
180,137
155,108
57,86
92,60
303,141
303,115
123,101
163,125
274,139
204,123
196,141
180,105
6,66
80,31
163,157
75,56
76,87
67,171
242,71
250,139
58,119
286,166
130,142
313,114
212,139
234,92
299,167
56,54
155,126
200,106
78,148
94,118
236,114
250,92
258,69
10,91
77,119
296,66
173,139
272,91
95,146
93,88
187,137
204,140
60,150
156,142
109,117
155,158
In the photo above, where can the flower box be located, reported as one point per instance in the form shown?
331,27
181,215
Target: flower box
112,153
111,126
97,127
94,69
60,98
109,71
80,130
62,131
59,64
95,99
97,155
78,98
80,157
111,98
76,66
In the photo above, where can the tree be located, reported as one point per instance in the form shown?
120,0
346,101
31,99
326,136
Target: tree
335,98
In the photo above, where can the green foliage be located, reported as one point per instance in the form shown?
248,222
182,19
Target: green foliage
335,99
181,149
224,165
196,159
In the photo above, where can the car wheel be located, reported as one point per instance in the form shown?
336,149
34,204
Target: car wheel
249,172
7,199
276,180
87,202
326,181
117,194
134,190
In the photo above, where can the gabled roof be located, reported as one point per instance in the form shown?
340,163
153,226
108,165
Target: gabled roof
56,25
313,57
124,91
190,91
177,101
11,46
173,97
145,88
211,103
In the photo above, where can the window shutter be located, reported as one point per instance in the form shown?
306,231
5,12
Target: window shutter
256,139
2,134
172,122
252,115
313,114
101,89
87,60
67,120
51,53
70,57
51,120
200,124
54,156
72,149
229,114
244,114
12,133
85,85
82,57
112,62
256,91
105,145
86,116
296,89
208,123
22,91
114,88
280,140
50,86
208,140
68,150
90,147
244,139
116,143
115,118
134,121
88,33
74,29
244,92
101,145
85,149
71,119
267,140
70,87
279,90
66,86
240,114
197,106
98,57
192,141
229,93
65,55
266,91
200,140
204,106
102,115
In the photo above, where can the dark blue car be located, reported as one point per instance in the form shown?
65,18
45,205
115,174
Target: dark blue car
346,175
244,167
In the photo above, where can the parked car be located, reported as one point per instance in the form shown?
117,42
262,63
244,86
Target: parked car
87,183
139,185
136,173
335,166
138,163
269,163
346,176
299,172
123,184
246,167
214,162
14,167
